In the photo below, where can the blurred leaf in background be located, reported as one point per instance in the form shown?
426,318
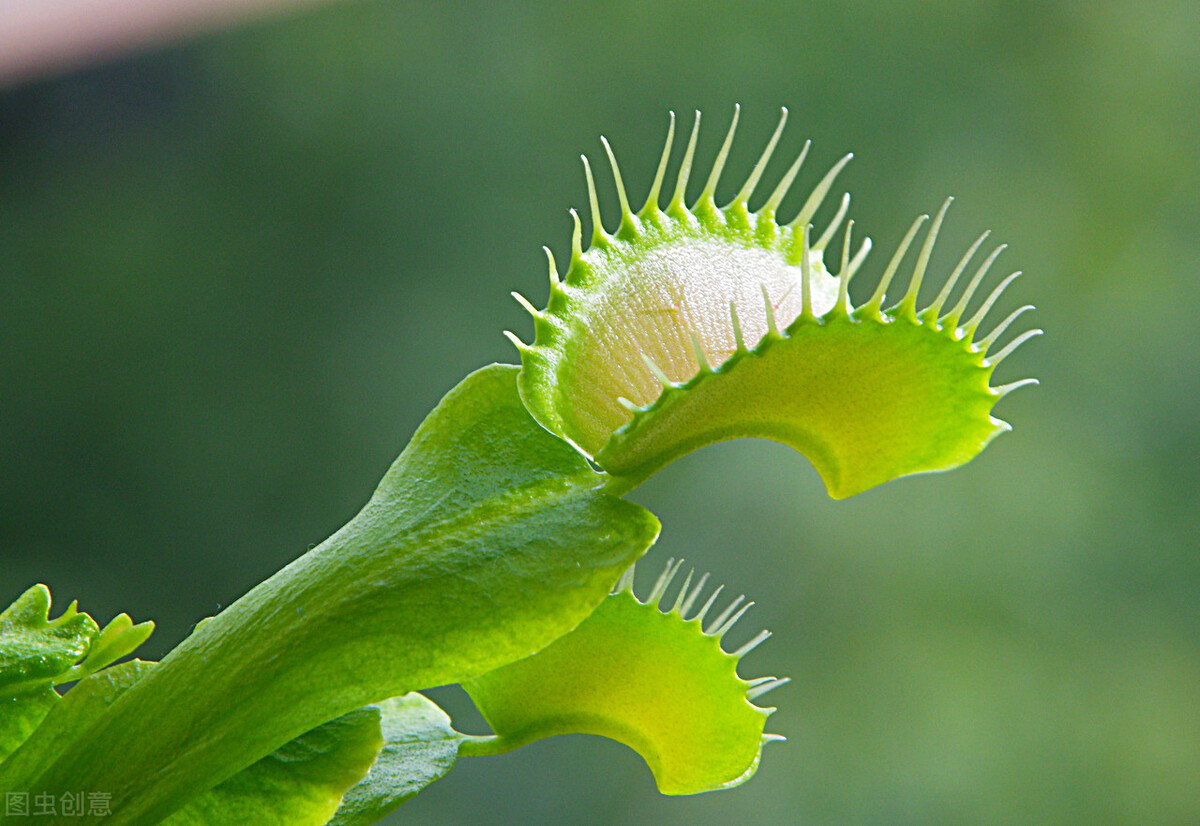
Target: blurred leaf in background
236,272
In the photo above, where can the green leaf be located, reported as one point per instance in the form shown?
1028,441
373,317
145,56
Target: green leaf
67,719
487,539
20,714
693,325
301,784
37,653
419,747
362,766
118,639
35,649
654,680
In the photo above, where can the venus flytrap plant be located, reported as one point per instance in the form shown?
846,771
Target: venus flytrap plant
608,677
696,324
497,552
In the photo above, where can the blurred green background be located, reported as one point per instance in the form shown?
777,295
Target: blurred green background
236,273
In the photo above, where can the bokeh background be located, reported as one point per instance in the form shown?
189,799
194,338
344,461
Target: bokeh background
237,270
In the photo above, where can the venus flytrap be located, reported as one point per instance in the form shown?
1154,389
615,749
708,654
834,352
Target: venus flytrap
608,677
690,325
497,552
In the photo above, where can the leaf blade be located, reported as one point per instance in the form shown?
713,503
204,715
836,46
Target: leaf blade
300,784
446,573
419,747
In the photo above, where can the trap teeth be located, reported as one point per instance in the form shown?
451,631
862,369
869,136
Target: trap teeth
705,322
